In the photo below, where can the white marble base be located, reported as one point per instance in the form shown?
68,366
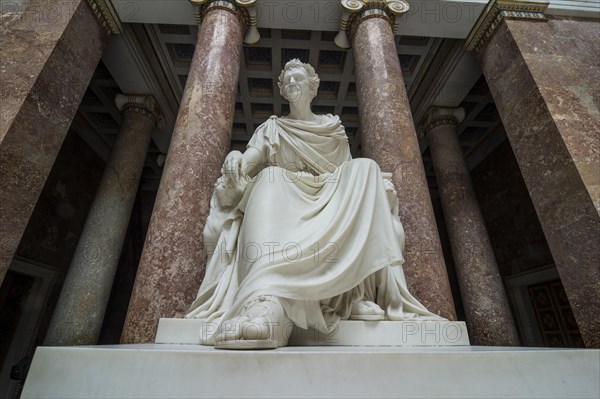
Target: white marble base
348,333
181,371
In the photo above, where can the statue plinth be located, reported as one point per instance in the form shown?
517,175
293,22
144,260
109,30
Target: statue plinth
195,371
413,333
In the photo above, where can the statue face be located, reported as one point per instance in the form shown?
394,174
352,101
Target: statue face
296,85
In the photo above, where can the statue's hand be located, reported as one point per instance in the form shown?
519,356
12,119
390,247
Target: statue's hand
392,195
230,187
234,167
229,192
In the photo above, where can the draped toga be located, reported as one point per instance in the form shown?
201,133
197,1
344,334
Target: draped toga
314,228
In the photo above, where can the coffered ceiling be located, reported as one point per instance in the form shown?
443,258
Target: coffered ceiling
258,95
166,51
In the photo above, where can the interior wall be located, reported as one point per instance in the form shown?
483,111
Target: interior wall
539,304
515,232
60,214
54,229
116,310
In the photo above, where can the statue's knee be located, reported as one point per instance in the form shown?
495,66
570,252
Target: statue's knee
367,163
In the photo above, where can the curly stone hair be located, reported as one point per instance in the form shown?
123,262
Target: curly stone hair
312,75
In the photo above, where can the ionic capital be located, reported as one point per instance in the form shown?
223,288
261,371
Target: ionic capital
354,12
144,104
497,11
244,10
439,116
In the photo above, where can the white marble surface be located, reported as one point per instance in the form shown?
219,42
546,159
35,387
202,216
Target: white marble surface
301,233
348,333
181,371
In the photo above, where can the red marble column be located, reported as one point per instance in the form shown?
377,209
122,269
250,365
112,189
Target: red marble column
173,260
487,310
545,80
388,137
49,55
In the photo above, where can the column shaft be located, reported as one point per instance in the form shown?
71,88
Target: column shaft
486,306
544,77
388,137
79,313
174,258
48,58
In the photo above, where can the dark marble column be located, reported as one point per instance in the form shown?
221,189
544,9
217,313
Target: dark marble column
79,313
544,76
173,260
49,55
388,137
486,306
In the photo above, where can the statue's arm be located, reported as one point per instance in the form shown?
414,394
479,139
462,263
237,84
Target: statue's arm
253,161
243,166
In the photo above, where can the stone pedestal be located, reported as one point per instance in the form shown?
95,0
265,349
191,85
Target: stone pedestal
544,77
486,305
78,316
193,371
388,137
348,333
173,260
48,57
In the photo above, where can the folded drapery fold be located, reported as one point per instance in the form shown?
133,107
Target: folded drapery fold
314,228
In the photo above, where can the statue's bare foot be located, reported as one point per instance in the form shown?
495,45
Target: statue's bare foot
367,310
262,324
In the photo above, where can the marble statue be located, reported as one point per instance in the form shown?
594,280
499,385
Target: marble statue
299,233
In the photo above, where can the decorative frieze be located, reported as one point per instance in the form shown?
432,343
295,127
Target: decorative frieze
438,116
144,104
496,11
356,11
107,15
244,10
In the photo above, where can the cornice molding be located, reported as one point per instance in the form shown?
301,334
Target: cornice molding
354,12
107,15
143,103
498,10
244,10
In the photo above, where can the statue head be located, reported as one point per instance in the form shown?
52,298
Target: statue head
298,81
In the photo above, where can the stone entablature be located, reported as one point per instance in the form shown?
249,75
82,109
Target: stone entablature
107,15
496,11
